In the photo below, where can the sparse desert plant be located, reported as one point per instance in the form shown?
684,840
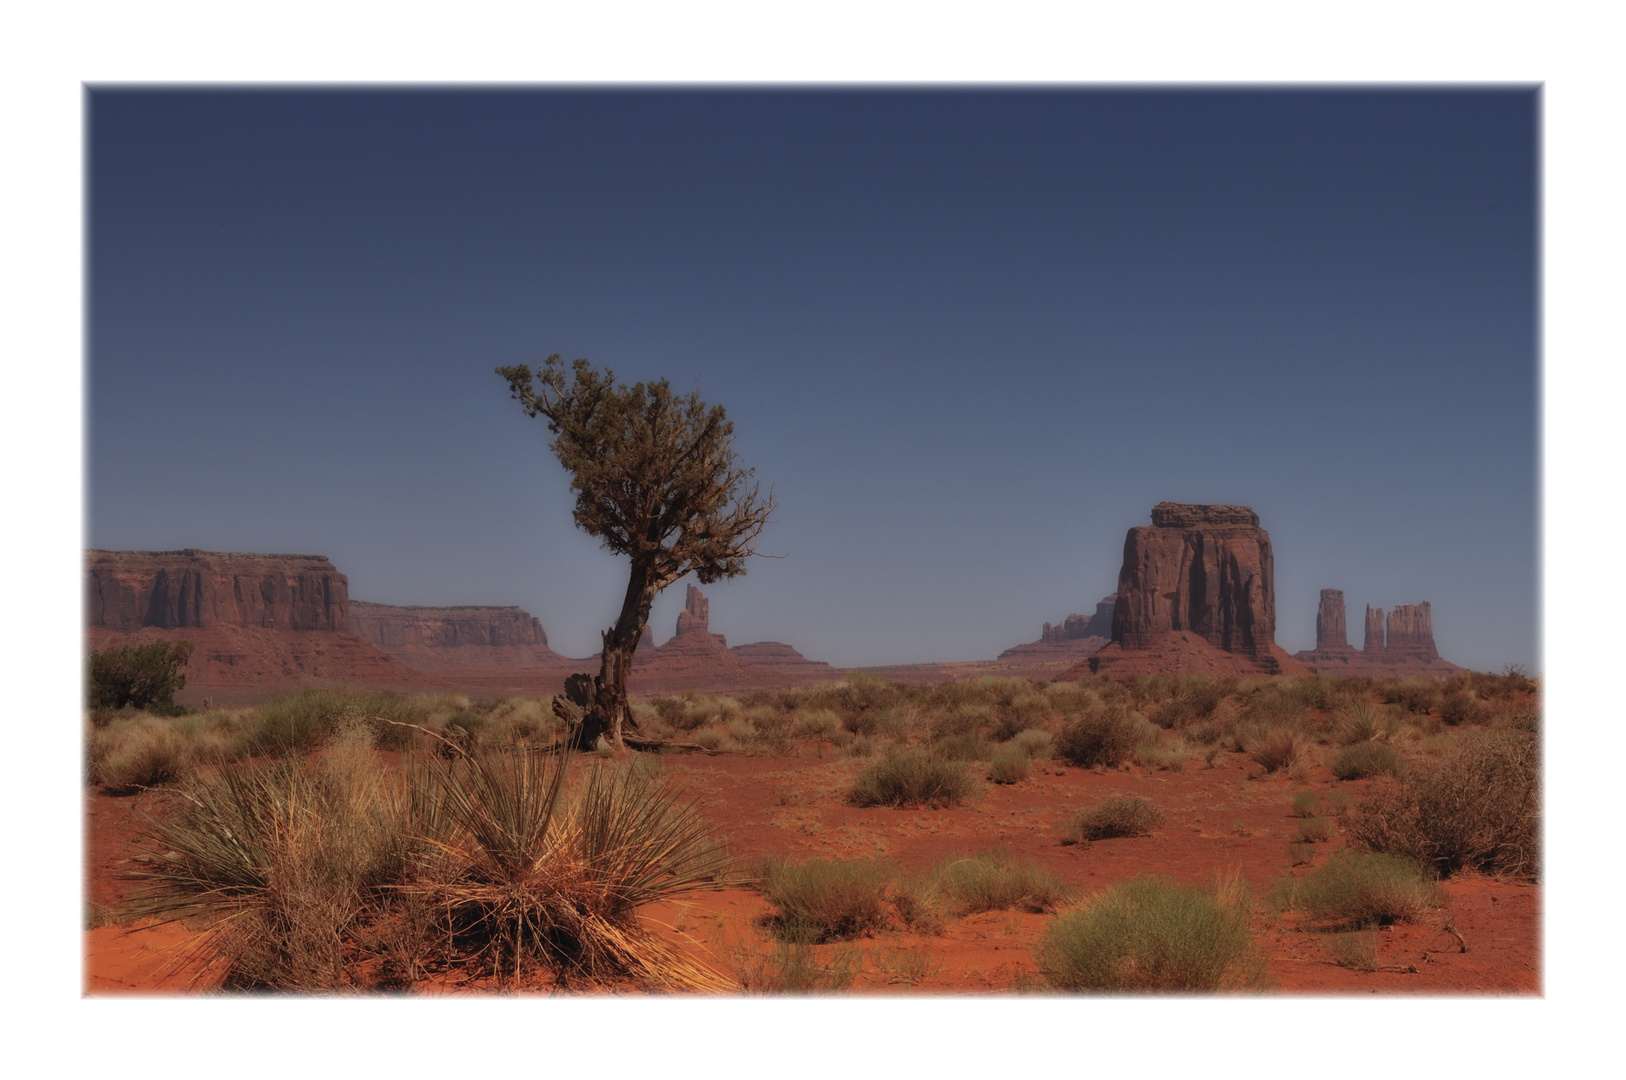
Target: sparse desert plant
816,723
1105,737
1116,816
128,757
1359,889
1274,749
1300,852
138,676
1356,950
1009,765
1463,708
796,968
995,881
822,900
1314,830
1034,742
1152,936
966,747
1341,801
1361,722
1360,760
1478,807
899,966
1306,803
911,779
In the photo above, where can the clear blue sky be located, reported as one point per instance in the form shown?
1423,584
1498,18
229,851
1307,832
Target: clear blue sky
968,337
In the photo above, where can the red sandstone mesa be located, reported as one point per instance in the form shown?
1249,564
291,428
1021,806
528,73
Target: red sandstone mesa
1196,593
455,638
1408,650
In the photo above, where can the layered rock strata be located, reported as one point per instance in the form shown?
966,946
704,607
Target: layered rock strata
696,659
1206,572
452,638
128,590
1410,632
1372,643
1330,633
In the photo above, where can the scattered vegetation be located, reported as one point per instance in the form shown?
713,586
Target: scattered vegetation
912,779
1478,807
1363,759
1150,935
995,881
1116,816
1359,889
823,900
1009,765
1100,737
1306,803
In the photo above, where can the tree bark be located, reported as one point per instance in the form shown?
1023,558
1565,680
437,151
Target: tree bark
620,642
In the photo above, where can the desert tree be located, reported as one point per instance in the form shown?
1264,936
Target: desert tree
656,479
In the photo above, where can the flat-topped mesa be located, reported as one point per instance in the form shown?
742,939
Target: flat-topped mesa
1072,629
1168,515
394,626
1411,632
1331,635
696,613
1373,644
1206,570
128,590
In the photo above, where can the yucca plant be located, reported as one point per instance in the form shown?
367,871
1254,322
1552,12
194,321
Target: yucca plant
532,872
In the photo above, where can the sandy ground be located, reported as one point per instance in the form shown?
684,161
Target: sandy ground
1218,821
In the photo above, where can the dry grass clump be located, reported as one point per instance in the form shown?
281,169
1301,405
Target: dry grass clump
334,873
1363,759
1009,765
1104,736
1033,742
912,779
1117,816
995,881
1275,749
131,755
796,968
1151,936
1354,890
824,900
1306,803
1478,807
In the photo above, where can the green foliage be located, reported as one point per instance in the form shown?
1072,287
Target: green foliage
1151,936
138,676
823,900
296,724
1034,743
1359,889
1360,760
1116,816
1479,807
906,779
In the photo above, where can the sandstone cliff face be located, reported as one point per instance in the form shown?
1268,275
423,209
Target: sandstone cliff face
1203,569
394,627
696,613
1077,627
1372,645
1331,635
128,590
1411,632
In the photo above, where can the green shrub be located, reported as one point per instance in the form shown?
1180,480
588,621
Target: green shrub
1116,816
967,747
138,677
1035,743
821,900
1480,807
1306,803
1104,737
1149,935
1361,722
297,724
1009,765
994,881
1463,708
912,780
1360,760
1360,889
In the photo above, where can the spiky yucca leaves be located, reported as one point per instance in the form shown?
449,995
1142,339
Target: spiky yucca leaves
287,858
532,873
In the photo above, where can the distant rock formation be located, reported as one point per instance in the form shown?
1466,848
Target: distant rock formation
1077,627
696,613
1202,571
455,638
1399,646
1372,644
1331,635
262,624
128,590
1410,633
